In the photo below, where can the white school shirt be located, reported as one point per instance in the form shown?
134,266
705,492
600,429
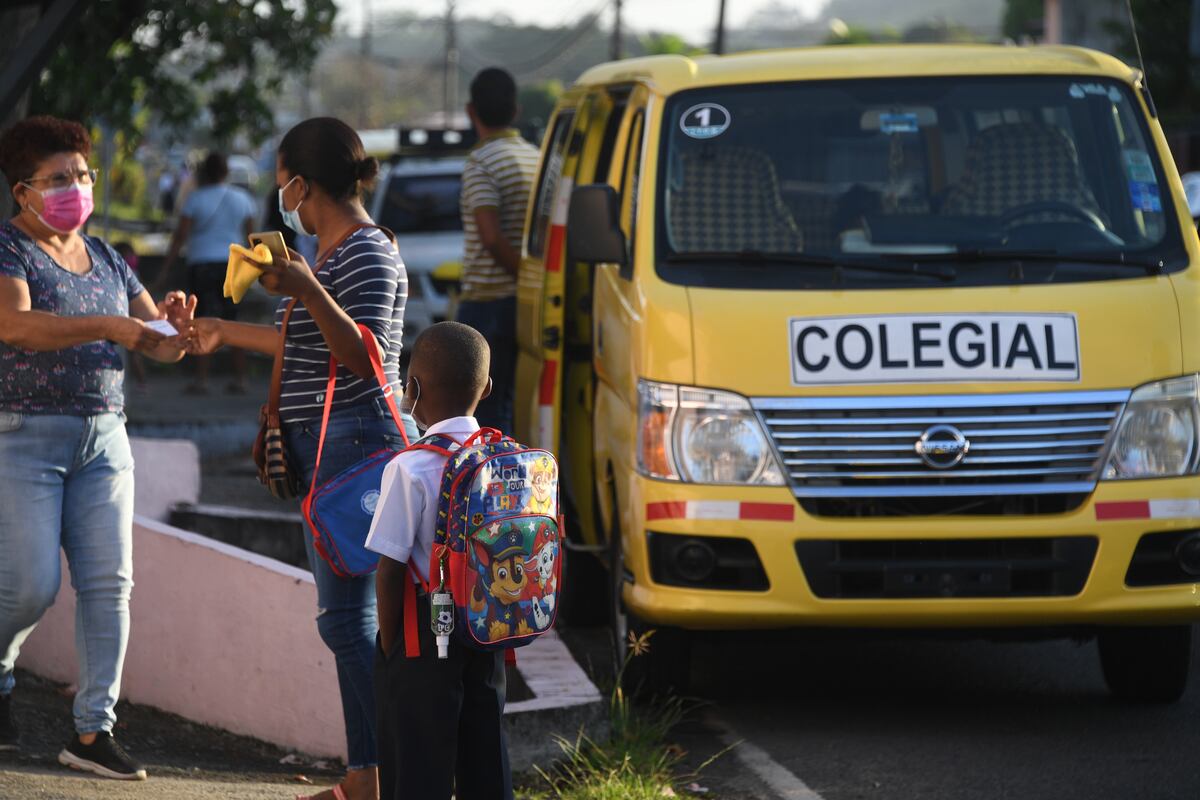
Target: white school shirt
406,514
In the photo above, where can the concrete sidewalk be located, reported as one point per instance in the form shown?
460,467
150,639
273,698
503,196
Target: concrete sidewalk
185,760
47,784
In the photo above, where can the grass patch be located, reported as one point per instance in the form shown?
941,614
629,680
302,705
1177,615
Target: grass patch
636,762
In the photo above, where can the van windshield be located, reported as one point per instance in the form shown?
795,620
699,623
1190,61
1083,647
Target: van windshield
970,180
421,203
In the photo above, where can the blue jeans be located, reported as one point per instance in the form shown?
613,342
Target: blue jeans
346,616
68,482
497,321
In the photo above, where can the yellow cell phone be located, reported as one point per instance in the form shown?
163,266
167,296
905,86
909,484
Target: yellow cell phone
274,242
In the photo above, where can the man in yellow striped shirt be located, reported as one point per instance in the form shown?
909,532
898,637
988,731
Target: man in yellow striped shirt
496,183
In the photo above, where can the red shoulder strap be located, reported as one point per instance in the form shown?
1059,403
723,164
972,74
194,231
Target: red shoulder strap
376,360
412,639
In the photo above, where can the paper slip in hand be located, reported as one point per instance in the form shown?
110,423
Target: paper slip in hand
162,326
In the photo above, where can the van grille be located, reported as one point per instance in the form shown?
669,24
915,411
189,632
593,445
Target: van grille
863,569
1015,444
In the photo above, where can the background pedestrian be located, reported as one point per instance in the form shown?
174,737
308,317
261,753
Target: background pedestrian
496,182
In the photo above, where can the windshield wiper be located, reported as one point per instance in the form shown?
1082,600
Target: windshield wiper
1041,256
939,271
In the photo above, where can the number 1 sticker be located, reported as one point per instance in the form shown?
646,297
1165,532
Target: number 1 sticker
705,121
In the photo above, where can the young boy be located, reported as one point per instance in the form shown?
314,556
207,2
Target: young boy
440,726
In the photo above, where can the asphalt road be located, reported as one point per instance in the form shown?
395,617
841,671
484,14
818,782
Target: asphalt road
863,717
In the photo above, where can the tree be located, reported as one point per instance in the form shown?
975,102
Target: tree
664,44
223,59
841,33
1172,72
1023,18
939,31
537,103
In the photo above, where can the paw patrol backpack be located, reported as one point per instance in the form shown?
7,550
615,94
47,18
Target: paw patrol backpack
497,550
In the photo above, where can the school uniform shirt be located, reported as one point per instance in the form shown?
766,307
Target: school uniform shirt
499,174
366,277
406,514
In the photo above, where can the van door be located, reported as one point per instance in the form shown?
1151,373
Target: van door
576,431
541,330
531,279
614,318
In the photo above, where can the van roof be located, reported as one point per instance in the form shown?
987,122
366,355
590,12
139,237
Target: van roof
672,73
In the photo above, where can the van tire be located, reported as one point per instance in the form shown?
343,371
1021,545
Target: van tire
1146,664
665,668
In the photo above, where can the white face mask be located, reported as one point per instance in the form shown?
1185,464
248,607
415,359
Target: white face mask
408,405
292,218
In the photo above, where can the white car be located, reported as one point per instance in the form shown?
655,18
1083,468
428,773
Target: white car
417,199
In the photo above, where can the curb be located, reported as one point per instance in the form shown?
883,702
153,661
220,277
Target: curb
565,702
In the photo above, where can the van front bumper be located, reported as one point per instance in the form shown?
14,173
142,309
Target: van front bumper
1116,516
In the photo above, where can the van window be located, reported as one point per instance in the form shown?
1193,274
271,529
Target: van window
832,183
612,126
630,176
548,182
421,204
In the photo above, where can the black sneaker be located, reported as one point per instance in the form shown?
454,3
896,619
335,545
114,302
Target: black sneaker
10,737
104,757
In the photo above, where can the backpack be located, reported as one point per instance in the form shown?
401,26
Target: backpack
498,544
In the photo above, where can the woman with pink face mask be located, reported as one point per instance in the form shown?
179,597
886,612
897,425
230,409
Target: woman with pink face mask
68,304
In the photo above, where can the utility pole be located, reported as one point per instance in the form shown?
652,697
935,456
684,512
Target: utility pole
615,50
719,41
450,68
365,87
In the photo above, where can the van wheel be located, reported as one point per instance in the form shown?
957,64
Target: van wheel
1146,664
665,668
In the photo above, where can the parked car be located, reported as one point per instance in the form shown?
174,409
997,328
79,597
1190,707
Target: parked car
1191,188
418,200
243,172
871,337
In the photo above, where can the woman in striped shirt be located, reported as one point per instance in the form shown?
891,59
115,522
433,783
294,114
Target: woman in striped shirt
321,171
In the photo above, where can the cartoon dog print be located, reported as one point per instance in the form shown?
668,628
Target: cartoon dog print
542,567
543,481
497,612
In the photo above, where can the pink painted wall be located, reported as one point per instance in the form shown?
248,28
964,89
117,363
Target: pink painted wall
220,636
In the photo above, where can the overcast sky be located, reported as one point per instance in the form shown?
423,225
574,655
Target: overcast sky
693,19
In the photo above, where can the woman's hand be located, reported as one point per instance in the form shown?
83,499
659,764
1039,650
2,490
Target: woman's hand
203,336
132,334
178,309
290,278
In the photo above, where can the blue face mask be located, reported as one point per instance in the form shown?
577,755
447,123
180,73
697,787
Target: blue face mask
292,218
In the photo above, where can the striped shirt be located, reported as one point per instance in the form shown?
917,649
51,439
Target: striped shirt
366,277
499,174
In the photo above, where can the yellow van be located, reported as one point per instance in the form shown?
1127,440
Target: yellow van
897,337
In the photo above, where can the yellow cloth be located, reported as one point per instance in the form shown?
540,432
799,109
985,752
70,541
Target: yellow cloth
244,269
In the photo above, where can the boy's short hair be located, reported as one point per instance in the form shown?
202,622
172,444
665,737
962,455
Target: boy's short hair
458,358
494,97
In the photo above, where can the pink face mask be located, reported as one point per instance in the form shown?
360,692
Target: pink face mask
65,210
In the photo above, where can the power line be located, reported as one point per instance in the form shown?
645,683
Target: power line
554,52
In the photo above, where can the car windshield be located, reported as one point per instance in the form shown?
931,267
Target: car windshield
421,204
867,182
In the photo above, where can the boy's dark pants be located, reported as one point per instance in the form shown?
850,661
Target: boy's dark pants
441,731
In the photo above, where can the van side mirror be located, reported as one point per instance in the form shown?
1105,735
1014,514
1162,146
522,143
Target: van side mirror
594,233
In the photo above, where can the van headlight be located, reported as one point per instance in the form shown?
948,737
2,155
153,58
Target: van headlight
1157,434
702,436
